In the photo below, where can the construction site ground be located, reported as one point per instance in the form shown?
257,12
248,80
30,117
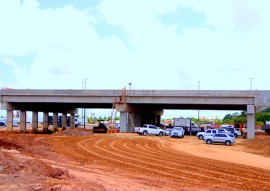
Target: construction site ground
77,159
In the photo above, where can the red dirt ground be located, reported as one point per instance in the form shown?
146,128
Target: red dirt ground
80,160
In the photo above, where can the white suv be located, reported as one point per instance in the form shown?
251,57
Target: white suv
177,132
225,138
208,132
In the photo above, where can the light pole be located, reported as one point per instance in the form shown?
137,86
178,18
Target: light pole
250,82
129,85
199,87
84,108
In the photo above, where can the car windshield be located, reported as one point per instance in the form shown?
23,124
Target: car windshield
231,135
177,129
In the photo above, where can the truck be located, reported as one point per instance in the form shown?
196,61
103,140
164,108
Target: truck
149,129
266,127
188,125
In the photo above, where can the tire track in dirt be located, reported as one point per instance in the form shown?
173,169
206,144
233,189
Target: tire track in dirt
153,158
189,175
118,163
222,176
169,164
207,162
200,161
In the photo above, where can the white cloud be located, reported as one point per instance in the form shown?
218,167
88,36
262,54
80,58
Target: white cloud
140,48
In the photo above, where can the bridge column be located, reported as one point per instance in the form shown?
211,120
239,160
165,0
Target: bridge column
72,120
64,120
123,121
130,124
35,120
23,121
9,120
45,121
55,120
250,122
158,120
155,120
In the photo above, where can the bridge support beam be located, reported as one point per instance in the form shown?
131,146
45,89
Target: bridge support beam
45,121
35,120
72,120
64,120
23,121
123,121
250,122
55,121
9,120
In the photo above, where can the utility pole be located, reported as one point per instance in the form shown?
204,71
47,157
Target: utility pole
84,108
250,82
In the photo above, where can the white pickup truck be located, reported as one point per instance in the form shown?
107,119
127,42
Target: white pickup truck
149,129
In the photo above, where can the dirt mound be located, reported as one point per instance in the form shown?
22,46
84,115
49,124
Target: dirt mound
258,145
21,167
75,131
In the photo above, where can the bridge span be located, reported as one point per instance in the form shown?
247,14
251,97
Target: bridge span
135,106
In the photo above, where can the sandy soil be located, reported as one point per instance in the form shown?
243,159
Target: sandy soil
80,160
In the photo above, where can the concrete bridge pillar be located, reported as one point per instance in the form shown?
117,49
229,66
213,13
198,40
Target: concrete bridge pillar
132,121
45,121
158,120
123,121
35,120
250,122
55,120
9,120
23,121
72,120
64,120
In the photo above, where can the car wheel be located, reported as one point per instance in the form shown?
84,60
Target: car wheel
171,136
208,141
235,135
145,133
200,137
160,133
228,143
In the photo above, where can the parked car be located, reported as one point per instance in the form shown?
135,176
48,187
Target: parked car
233,130
208,132
2,123
225,138
149,129
224,131
168,130
237,132
177,132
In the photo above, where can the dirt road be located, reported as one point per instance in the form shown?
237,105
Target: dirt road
133,162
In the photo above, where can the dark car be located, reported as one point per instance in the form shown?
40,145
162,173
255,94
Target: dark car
2,123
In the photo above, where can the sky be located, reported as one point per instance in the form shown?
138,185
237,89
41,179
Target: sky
154,44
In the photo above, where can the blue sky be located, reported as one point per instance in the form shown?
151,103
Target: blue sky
48,44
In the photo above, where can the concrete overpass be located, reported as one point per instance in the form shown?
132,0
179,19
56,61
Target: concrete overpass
135,106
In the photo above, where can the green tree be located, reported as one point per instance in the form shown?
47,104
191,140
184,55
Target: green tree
262,117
